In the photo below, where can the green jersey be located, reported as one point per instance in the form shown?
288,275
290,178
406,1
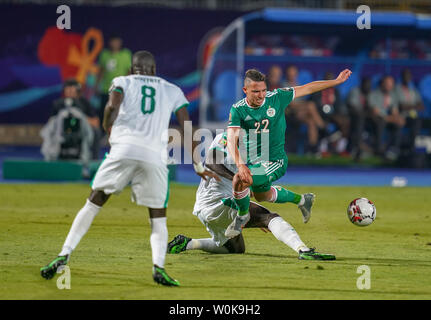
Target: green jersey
265,126
115,65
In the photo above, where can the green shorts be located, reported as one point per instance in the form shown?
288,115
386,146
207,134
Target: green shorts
265,172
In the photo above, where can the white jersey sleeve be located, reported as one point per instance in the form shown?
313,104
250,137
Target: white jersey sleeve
180,100
119,82
220,143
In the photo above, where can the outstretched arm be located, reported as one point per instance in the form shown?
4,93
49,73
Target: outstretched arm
112,107
183,116
317,86
219,168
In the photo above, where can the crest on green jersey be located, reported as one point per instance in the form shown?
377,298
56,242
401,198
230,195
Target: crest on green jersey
270,112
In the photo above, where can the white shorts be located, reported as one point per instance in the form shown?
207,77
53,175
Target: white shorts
216,219
149,182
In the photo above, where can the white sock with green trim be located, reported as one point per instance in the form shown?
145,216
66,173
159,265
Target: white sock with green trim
80,226
159,240
284,232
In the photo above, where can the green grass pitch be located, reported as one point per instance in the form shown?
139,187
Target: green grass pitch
113,261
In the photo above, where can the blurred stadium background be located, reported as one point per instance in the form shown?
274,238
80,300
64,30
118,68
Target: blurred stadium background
204,47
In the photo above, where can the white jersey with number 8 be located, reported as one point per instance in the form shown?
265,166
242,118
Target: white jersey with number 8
140,129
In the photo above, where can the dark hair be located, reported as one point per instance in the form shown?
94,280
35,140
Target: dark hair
72,83
114,36
143,62
254,75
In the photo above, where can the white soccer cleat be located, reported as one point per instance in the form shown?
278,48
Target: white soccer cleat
235,228
306,207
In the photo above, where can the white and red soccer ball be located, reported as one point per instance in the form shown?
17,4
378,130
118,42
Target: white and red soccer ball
361,212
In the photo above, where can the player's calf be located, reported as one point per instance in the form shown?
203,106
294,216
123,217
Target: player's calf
242,200
235,245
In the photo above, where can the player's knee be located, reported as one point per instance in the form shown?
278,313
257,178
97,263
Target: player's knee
238,184
269,217
235,245
263,196
99,198
260,197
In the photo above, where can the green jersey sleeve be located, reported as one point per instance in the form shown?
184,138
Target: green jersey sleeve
234,118
286,96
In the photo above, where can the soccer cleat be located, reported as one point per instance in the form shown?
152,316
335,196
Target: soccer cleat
306,207
236,226
313,255
179,244
161,277
50,269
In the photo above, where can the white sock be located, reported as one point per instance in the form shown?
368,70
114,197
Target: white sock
284,232
80,226
302,201
207,245
159,240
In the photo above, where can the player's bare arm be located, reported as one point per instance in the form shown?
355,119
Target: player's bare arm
111,111
232,146
317,86
99,77
220,169
183,116
112,107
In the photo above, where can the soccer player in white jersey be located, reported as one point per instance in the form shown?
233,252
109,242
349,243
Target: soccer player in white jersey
137,118
216,209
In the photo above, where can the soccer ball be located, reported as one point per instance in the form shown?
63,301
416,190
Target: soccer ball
361,212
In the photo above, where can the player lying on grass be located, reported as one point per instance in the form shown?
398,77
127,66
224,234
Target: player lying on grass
138,111
216,209
261,114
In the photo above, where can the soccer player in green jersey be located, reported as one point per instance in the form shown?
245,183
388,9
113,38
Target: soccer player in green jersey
262,115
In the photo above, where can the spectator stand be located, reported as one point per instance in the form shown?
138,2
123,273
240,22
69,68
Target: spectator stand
315,41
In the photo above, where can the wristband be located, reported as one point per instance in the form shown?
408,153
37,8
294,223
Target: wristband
199,168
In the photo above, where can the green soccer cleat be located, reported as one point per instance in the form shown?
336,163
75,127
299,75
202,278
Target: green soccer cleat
161,277
313,255
49,271
179,244
306,207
